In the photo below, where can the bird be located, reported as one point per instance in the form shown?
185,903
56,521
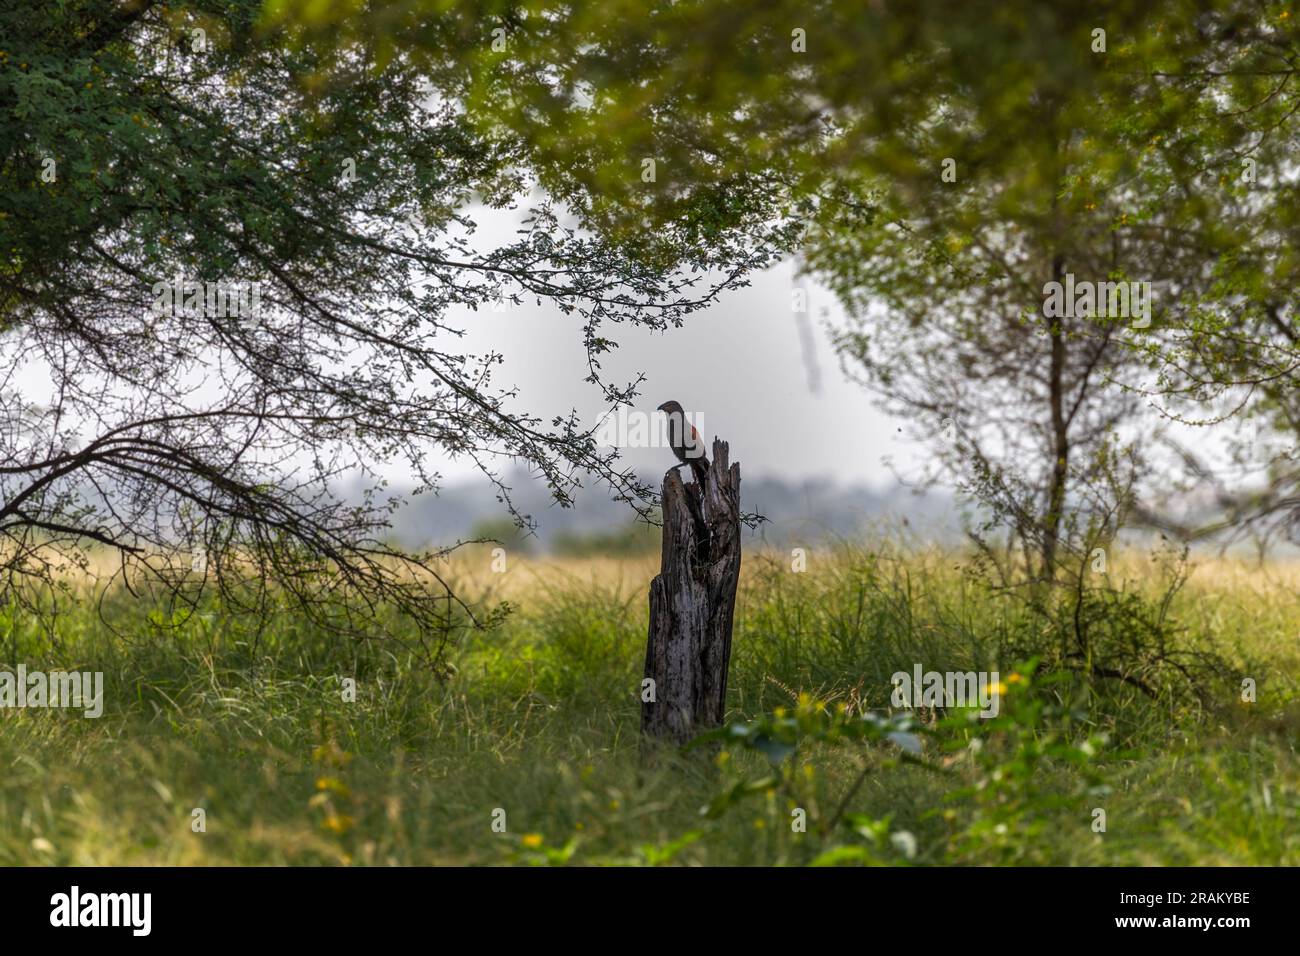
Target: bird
685,441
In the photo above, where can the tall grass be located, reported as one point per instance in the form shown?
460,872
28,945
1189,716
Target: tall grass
540,720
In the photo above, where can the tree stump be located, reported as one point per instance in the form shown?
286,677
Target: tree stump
692,603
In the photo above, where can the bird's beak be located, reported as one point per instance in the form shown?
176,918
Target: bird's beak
662,407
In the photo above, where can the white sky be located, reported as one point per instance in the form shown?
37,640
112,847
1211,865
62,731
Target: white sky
738,365
741,368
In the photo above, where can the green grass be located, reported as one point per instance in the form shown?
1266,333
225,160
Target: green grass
541,720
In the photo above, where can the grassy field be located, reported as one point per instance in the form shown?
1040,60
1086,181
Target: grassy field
540,720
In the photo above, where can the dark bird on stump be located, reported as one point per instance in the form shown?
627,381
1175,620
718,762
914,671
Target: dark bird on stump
685,441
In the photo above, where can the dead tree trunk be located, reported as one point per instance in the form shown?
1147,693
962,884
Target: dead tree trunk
692,601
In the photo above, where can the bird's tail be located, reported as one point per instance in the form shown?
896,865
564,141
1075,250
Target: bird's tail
700,468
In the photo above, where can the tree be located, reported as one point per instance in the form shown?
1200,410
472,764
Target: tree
234,255
1232,349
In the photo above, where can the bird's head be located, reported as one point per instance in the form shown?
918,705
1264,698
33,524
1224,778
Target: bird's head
672,408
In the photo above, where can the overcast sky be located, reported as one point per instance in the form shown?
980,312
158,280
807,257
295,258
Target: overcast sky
759,376
778,397
782,403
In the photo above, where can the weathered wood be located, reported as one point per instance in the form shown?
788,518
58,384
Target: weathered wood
692,603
